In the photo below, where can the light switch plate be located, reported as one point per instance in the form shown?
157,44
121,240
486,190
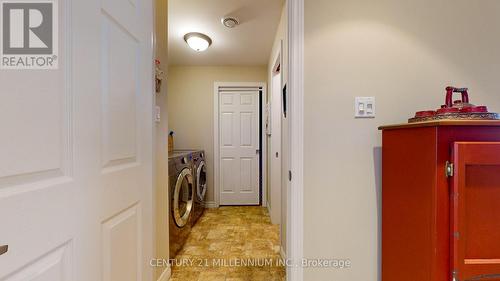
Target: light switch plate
364,107
157,114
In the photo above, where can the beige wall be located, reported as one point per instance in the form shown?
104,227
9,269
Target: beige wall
281,35
404,53
161,151
191,102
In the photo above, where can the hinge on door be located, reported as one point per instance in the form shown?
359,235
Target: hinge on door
450,168
455,278
289,175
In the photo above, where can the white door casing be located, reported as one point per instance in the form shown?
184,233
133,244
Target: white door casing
275,147
295,137
238,147
76,151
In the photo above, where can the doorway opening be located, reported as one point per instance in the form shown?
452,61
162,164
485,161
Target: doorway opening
221,67
274,134
238,143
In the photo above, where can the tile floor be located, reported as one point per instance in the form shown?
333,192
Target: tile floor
231,244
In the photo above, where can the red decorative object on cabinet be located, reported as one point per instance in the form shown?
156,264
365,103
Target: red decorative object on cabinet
441,201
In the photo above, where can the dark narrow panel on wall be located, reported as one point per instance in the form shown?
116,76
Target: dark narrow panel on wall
284,101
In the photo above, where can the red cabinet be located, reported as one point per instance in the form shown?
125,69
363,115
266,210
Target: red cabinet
441,201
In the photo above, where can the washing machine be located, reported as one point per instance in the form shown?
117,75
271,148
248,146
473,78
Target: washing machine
182,194
200,175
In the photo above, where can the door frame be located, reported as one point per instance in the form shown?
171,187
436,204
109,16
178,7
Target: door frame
276,62
295,207
263,150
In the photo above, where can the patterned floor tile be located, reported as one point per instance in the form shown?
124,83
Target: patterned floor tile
231,244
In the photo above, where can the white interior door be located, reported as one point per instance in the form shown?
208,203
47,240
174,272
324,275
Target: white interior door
75,151
275,160
239,146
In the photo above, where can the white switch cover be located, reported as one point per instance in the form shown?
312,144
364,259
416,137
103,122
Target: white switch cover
157,114
364,107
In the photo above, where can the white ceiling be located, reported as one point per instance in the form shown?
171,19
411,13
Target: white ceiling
250,43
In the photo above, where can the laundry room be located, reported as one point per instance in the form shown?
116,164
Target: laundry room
224,86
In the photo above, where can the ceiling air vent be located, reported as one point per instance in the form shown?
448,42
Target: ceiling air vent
230,22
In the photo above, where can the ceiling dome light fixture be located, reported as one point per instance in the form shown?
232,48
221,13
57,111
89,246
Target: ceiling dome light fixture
198,41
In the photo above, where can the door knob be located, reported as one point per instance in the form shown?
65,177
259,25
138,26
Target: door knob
4,249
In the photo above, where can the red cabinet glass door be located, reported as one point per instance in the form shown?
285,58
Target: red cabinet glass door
475,211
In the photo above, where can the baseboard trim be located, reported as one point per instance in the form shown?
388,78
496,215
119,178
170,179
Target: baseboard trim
165,276
211,205
282,253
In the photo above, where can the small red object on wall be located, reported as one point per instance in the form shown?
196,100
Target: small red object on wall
159,75
441,201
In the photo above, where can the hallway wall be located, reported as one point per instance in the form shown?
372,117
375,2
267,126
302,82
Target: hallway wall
404,53
190,105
